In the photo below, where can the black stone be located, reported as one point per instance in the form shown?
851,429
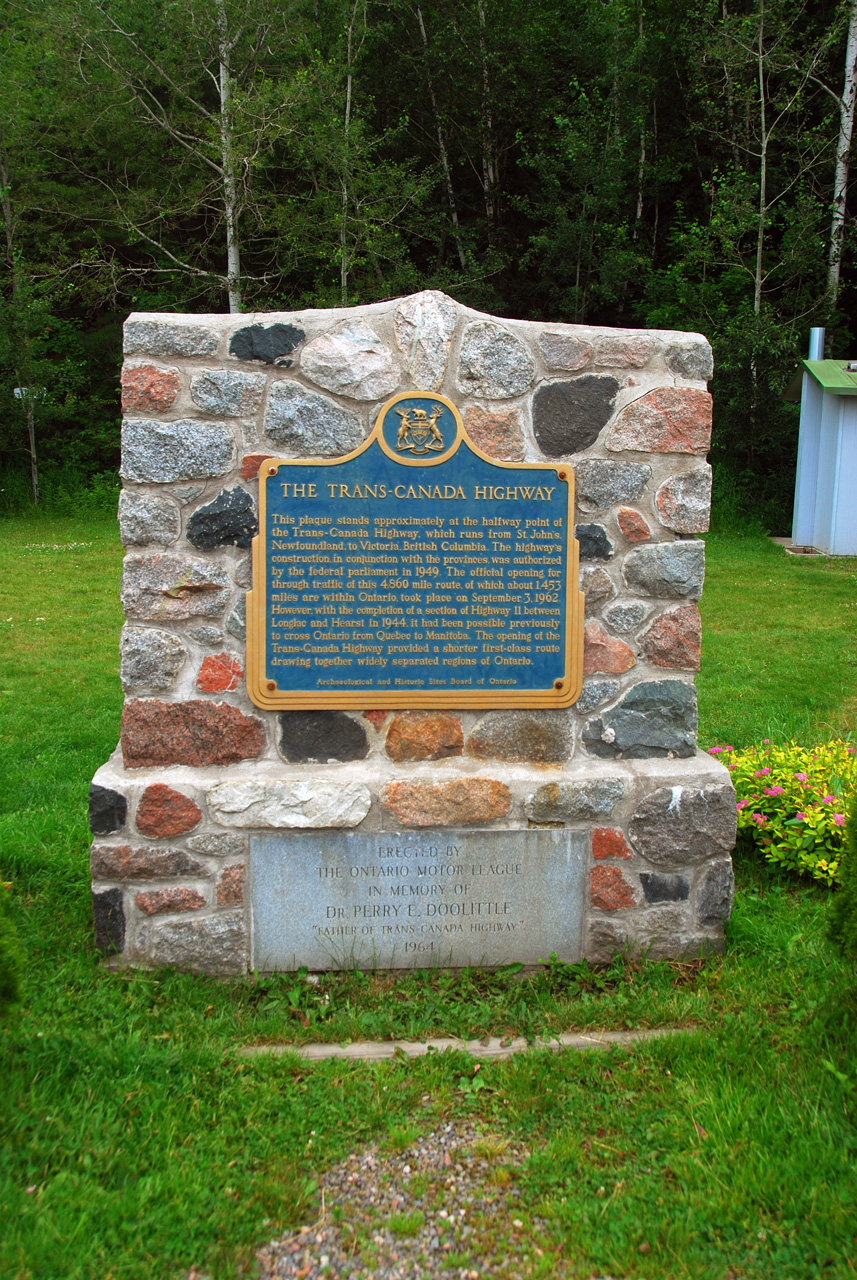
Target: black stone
661,888
714,900
655,718
269,343
307,736
594,543
568,415
229,519
108,921
107,810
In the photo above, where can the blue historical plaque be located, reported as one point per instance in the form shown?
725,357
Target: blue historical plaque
414,572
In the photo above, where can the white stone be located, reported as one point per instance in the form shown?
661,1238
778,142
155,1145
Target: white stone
425,323
351,360
291,804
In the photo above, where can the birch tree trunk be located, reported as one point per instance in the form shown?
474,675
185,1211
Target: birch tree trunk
763,164
489,166
441,143
227,161
843,157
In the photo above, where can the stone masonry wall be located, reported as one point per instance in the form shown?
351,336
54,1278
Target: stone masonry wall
206,399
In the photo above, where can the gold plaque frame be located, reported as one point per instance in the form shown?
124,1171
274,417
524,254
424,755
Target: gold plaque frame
265,693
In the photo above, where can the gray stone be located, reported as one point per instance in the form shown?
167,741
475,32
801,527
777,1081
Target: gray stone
684,502
715,894
626,617
294,803
678,826
690,360
594,542
594,693
160,338
270,343
561,351
353,361
227,392
568,416
597,586
162,452
236,623
229,520
658,887
108,921
187,492
157,588
667,934
600,484
540,737
574,801
243,571
308,424
149,659
655,718
629,350
493,363
424,326
605,941
421,899
107,810
146,518
212,637
321,736
668,570
214,944
218,844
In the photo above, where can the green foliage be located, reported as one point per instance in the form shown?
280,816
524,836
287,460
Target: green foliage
843,912
791,801
11,955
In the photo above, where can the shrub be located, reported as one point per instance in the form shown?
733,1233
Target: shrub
11,957
843,913
791,802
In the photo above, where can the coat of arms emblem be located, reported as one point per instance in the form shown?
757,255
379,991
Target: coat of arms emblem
419,432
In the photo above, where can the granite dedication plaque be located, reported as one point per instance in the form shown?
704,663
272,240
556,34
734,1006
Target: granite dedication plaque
414,572
346,899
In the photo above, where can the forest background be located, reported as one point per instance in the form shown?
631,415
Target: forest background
668,163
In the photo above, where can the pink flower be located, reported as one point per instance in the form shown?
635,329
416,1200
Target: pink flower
775,791
731,767
715,751
801,777
827,799
760,773
839,819
742,804
759,819
728,748
765,741
801,816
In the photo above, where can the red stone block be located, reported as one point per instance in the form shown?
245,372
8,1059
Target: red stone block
633,525
219,674
602,652
250,464
375,718
165,812
194,733
230,886
154,902
608,842
424,735
666,420
609,890
447,804
497,432
147,389
674,640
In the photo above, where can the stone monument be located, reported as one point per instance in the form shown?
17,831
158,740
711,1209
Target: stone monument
411,629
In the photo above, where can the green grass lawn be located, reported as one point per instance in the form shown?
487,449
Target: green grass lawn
137,1143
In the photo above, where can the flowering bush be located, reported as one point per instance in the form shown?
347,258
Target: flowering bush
843,912
792,801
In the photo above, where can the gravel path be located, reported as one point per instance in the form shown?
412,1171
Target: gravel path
446,1205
